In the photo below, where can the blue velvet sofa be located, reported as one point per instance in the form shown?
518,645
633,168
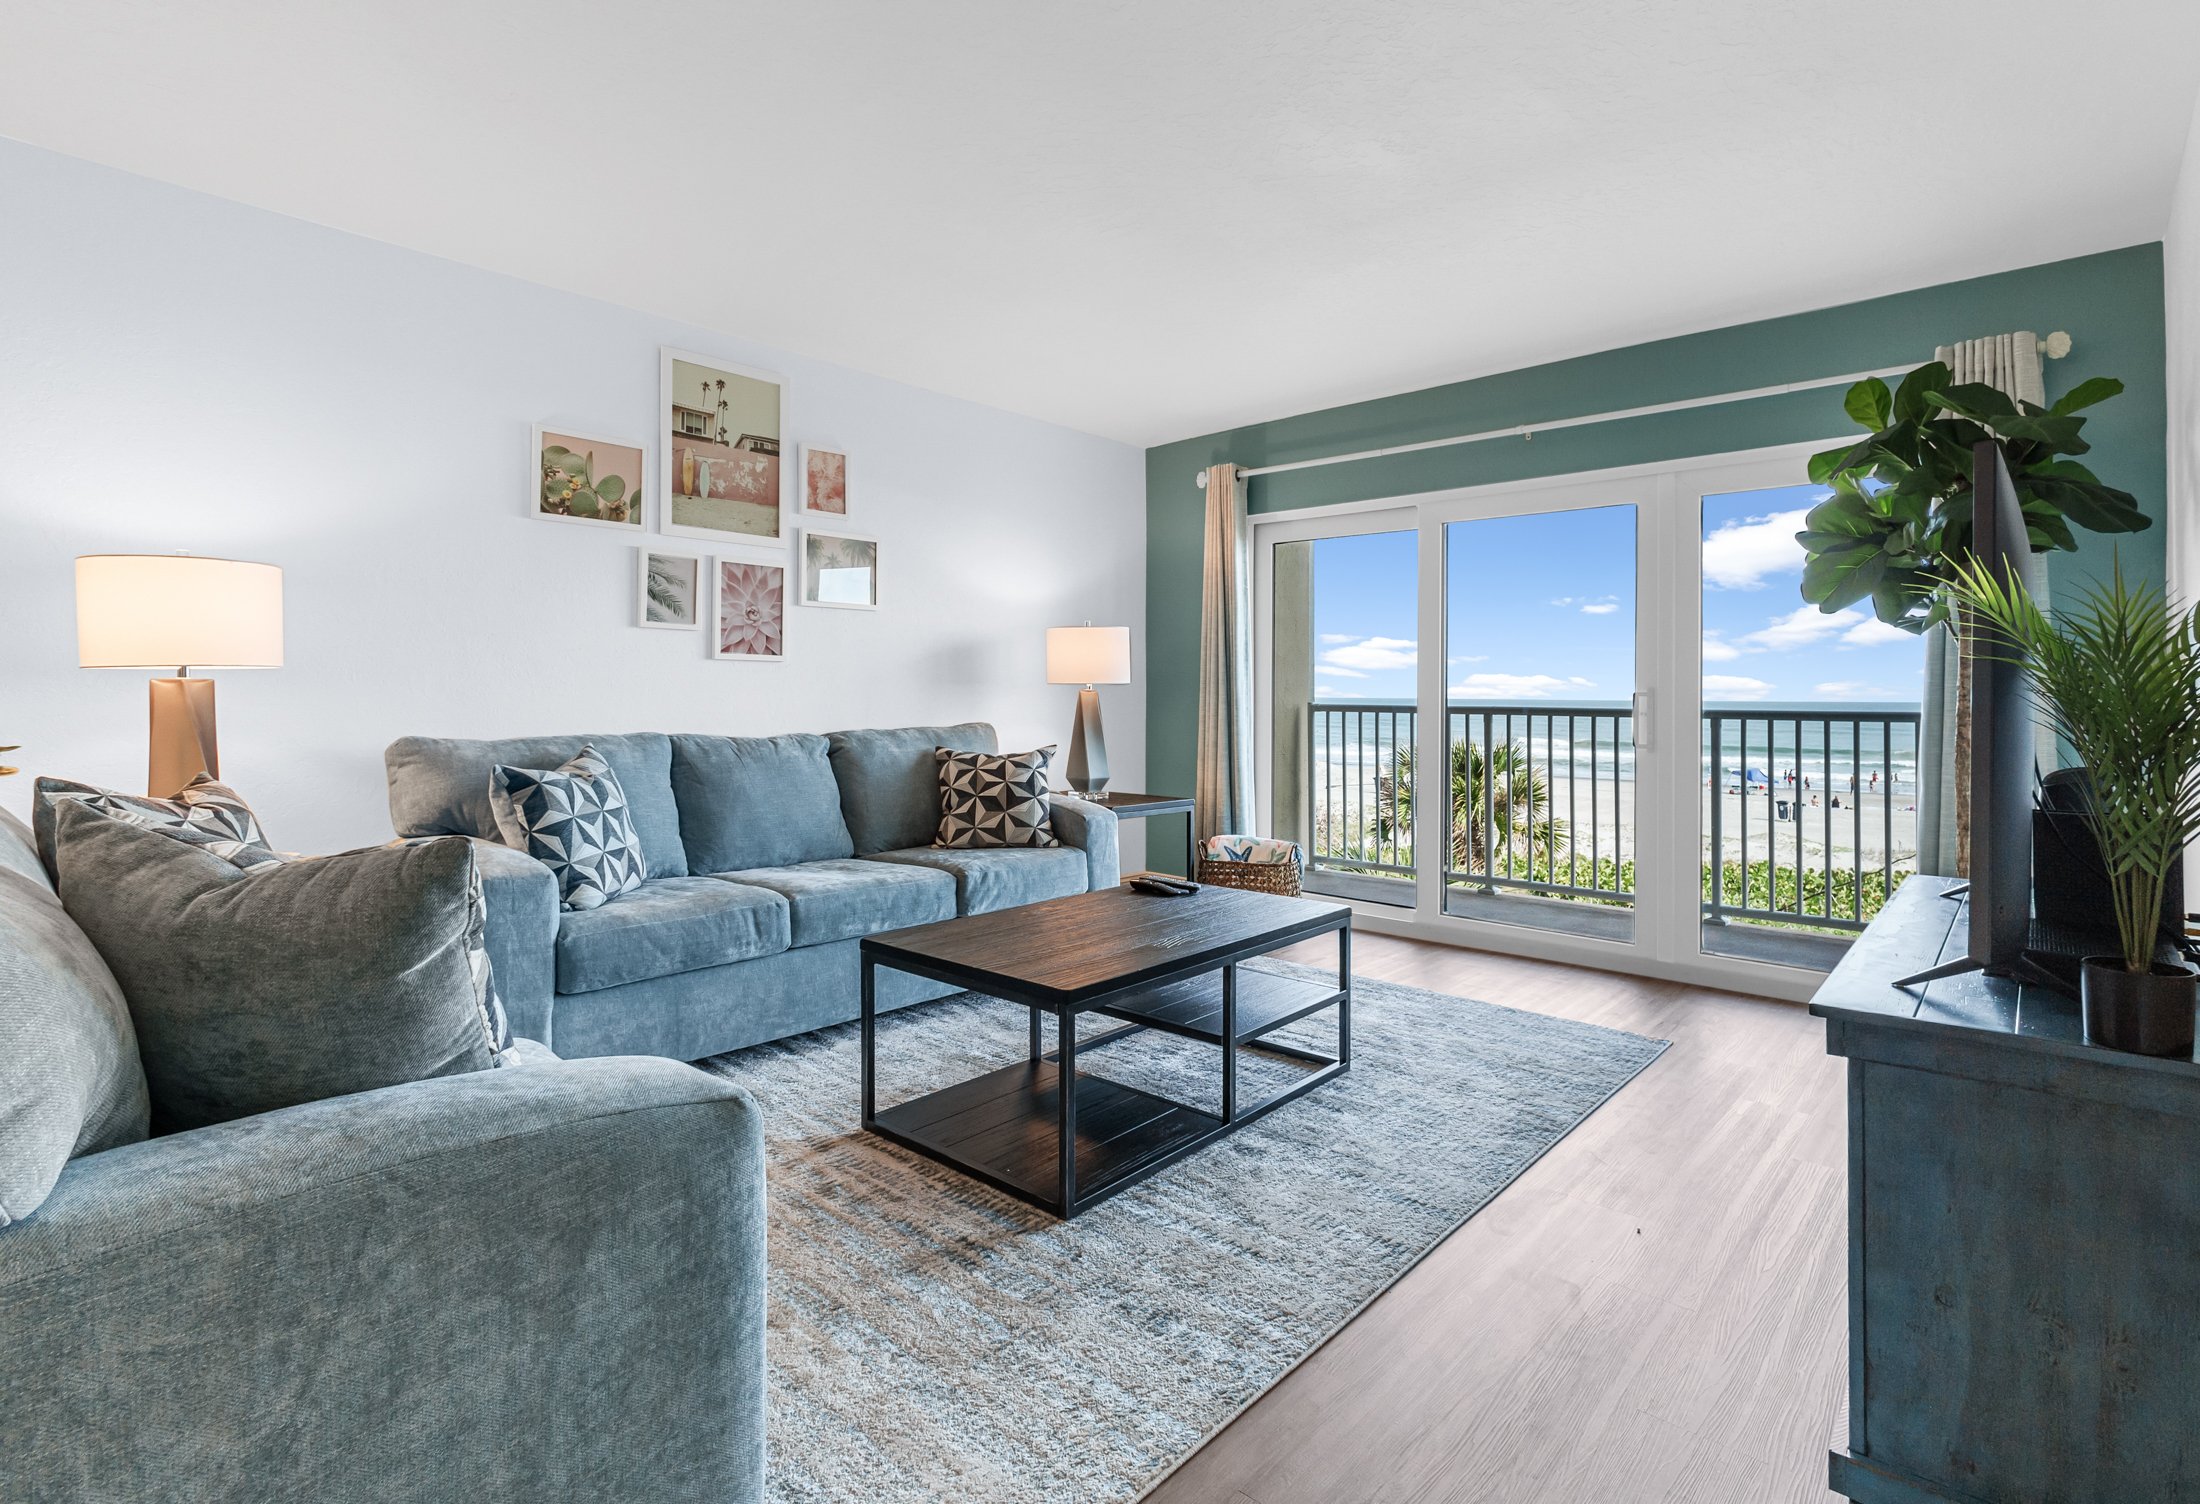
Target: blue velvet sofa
768,859
539,1282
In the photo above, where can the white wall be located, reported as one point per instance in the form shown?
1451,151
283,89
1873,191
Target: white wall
178,372
2181,277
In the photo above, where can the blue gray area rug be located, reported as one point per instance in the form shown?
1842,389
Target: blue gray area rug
933,1339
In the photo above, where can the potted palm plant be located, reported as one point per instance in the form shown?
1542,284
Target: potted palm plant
2118,676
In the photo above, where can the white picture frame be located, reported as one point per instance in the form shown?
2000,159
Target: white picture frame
544,436
839,588
648,604
710,485
750,592
809,486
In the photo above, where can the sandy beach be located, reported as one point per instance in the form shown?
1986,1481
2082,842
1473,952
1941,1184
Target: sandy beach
1863,820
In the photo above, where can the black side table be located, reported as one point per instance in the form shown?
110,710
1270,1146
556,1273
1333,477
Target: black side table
1145,807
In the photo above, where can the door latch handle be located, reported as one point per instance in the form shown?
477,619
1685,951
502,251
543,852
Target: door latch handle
1642,720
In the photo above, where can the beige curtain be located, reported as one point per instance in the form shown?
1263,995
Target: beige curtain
1222,784
2009,363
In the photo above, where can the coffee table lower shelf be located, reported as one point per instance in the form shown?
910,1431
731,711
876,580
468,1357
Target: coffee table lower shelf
1003,1128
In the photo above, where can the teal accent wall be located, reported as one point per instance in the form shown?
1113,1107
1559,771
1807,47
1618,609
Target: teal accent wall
2110,303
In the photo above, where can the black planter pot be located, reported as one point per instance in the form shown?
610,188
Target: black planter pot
2141,1013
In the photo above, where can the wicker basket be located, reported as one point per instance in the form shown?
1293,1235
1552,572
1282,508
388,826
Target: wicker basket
1261,877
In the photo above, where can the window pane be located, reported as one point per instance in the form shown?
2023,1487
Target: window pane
1344,625
1539,673
1809,743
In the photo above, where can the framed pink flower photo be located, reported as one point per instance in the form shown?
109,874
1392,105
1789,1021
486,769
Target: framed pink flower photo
748,609
824,480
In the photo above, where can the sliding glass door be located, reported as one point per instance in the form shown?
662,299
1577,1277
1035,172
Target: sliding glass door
1546,717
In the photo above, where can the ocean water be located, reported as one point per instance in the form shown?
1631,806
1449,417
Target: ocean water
1351,746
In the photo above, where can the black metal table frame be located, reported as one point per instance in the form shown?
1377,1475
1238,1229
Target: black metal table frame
1066,1202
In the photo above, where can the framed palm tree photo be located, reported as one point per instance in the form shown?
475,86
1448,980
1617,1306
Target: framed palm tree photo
668,590
839,569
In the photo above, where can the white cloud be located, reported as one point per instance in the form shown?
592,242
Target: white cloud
1488,686
1338,637
1734,687
1469,658
1800,628
1849,689
1332,671
1591,605
1739,555
1874,634
1715,651
1600,608
1371,653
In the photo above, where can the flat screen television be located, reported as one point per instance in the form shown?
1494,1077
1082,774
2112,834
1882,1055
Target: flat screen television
2001,750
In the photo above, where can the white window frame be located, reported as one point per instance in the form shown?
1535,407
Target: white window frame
1667,495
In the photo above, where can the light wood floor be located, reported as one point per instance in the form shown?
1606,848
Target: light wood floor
1653,1311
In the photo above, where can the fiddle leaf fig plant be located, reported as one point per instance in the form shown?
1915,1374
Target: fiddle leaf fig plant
1898,525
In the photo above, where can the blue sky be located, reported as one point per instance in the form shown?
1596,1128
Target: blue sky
1543,608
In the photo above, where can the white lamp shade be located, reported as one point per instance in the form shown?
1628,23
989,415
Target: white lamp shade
177,611
1088,655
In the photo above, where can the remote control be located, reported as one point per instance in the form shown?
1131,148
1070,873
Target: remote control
1162,887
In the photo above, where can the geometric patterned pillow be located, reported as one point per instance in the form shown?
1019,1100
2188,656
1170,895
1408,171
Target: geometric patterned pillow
205,813
573,820
989,800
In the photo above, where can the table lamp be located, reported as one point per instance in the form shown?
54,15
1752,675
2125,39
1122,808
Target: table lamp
1088,655
178,611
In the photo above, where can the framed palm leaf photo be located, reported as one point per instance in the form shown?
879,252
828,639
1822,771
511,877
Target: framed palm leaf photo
668,590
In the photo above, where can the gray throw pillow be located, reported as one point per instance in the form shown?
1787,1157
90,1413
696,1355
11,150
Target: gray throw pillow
289,982
573,819
990,800
206,811
70,1082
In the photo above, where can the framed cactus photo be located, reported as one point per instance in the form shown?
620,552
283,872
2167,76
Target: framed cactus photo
668,590
593,480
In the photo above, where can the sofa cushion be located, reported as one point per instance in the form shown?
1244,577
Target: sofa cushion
666,926
890,781
756,801
290,982
439,786
841,900
573,819
19,851
1001,877
70,1082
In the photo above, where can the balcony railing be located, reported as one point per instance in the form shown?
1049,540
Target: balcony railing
1809,812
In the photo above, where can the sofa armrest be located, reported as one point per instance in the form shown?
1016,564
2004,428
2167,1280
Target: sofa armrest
1081,823
539,1282
522,898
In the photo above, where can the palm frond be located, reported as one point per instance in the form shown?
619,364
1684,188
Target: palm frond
2116,673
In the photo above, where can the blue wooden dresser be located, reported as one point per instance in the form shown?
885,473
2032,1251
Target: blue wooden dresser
2024,1237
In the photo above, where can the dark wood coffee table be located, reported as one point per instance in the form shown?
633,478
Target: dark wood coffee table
1064,1138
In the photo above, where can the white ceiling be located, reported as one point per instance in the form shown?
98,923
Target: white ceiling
1151,220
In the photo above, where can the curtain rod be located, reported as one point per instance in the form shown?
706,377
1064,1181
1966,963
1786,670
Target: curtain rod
2053,347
